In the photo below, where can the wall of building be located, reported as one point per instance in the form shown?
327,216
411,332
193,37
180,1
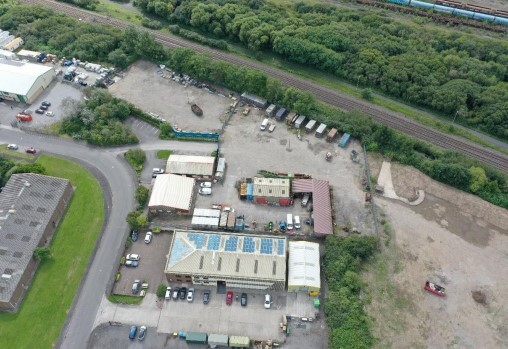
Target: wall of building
237,282
40,85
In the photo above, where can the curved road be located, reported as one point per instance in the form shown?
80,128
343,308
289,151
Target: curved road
333,97
118,182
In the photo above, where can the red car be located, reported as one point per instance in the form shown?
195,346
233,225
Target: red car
31,150
229,298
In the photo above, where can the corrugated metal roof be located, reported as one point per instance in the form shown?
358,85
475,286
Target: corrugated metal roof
172,191
14,44
321,128
217,339
205,221
190,165
303,265
18,77
271,187
320,199
206,212
222,254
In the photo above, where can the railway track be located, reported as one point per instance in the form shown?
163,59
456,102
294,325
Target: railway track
335,98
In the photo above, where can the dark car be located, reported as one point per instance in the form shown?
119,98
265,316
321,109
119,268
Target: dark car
182,293
43,107
134,235
142,333
132,333
31,150
136,286
243,300
229,298
39,111
206,297
45,103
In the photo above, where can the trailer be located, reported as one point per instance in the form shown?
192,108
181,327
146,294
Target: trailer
196,337
310,126
434,288
218,339
344,140
331,135
239,342
299,121
281,113
320,132
270,111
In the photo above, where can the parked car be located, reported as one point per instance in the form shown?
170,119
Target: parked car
157,171
243,300
31,150
268,301
205,191
190,294
136,286
205,184
134,235
132,332
229,298
132,257
12,147
168,293
183,292
176,292
142,333
148,237
46,103
206,297
43,107
39,111
50,113
132,264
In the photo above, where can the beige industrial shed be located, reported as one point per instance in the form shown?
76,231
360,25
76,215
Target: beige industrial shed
304,273
273,191
227,260
201,167
23,82
172,194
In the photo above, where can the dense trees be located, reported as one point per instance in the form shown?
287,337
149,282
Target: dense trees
463,76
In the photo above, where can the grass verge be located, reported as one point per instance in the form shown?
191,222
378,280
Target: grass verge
163,154
110,9
46,304
123,299
15,154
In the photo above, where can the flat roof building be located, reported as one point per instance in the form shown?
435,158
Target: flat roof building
13,44
172,193
31,206
23,82
304,272
191,166
274,191
227,260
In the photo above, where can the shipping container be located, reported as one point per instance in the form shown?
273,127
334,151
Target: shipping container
231,220
270,111
218,339
299,121
239,342
331,135
243,191
320,132
196,337
344,140
250,191
281,113
310,125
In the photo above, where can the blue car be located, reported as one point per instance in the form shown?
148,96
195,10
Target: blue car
132,333
134,235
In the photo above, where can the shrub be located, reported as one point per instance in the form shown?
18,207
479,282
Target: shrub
117,276
136,158
42,254
150,23
142,195
161,291
123,260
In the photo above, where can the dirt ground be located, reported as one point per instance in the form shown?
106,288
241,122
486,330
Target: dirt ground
170,100
454,239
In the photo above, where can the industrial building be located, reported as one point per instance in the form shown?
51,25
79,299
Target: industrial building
32,56
304,273
7,55
272,191
200,167
23,82
31,206
172,194
13,44
227,260
321,200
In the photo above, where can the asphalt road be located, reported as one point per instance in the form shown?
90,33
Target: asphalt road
118,182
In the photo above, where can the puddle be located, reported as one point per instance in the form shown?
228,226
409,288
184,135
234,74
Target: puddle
451,218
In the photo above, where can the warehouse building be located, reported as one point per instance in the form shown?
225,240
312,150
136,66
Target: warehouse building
23,82
200,167
304,273
13,44
31,206
227,260
272,191
172,194
321,201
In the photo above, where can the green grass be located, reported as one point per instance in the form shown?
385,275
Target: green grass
15,154
116,11
42,314
123,299
163,154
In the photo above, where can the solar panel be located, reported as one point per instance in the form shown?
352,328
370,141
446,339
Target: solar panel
231,244
281,244
266,246
213,242
198,239
248,245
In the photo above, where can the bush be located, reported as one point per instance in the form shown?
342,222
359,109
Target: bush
161,291
122,260
42,254
29,168
156,230
152,24
367,94
142,195
117,276
136,220
136,157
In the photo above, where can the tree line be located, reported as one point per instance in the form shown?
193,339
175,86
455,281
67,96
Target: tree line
460,75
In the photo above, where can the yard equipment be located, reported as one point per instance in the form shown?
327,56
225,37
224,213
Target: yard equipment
196,110
434,288
269,226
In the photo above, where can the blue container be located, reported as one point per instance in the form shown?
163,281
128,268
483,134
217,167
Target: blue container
444,9
399,2
501,20
344,140
421,4
464,13
250,191
483,16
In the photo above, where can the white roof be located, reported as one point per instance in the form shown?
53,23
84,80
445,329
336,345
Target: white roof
18,77
190,165
207,221
172,191
272,187
5,53
206,212
303,265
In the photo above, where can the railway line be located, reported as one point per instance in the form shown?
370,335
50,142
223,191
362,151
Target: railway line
335,98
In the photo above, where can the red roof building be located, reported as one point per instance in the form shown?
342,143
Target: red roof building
323,222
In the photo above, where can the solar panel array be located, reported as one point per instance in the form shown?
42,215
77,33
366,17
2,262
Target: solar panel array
248,245
231,243
281,246
266,246
213,242
198,239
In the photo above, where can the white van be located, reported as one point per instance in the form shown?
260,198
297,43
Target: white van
290,221
297,222
264,125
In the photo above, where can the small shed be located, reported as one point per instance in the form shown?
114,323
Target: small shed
196,337
239,342
299,121
320,132
218,339
310,125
